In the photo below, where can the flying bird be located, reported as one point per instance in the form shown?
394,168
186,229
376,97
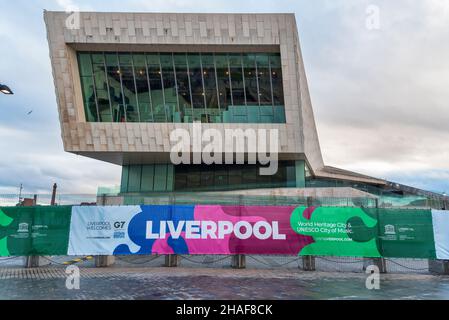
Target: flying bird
29,112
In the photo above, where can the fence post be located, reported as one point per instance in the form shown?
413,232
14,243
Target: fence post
104,261
238,261
308,262
35,261
171,260
381,263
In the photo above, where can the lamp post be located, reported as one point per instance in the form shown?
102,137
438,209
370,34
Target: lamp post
5,89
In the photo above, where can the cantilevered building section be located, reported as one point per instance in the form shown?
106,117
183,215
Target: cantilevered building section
125,81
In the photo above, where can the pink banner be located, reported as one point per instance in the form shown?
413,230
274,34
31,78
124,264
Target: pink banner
219,229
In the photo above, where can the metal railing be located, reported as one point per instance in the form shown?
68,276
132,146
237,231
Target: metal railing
211,198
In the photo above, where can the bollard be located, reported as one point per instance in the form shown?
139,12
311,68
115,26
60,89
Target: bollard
104,261
36,262
171,260
440,267
238,261
308,263
381,263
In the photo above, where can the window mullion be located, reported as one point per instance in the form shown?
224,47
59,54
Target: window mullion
107,86
176,83
271,84
230,82
204,88
121,88
244,86
216,84
190,87
149,88
135,87
257,80
94,88
163,87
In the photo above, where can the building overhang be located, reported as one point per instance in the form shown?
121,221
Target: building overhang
127,142
148,157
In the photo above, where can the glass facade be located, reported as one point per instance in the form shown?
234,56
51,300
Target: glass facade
182,87
188,178
147,178
231,177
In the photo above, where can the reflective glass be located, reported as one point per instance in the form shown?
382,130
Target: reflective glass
238,90
87,87
276,78
169,83
182,80
264,80
231,177
224,82
143,90
90,104
210,85
129,94
157,92
196,83
85,64
101,87
115,87
251,86
182,87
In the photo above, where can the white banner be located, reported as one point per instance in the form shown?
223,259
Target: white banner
440,220
108,224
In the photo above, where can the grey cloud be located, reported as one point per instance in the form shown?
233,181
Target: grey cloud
380,97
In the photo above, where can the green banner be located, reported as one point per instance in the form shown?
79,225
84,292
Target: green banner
361,232
28,231
332,230
404,232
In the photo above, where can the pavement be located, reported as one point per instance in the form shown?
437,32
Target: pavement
159,283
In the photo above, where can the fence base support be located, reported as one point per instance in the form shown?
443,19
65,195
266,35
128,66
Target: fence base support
308,263
35,262
104,261
171,260
381,263
238,261
439,267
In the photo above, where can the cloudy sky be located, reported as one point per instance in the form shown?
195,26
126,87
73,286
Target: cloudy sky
381,96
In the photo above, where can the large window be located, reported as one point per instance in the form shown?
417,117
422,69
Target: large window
232,177
182,87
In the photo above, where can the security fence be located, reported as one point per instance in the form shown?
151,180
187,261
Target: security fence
261,262
412,202
252,261
416,202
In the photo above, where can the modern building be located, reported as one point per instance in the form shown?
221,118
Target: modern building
125,81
